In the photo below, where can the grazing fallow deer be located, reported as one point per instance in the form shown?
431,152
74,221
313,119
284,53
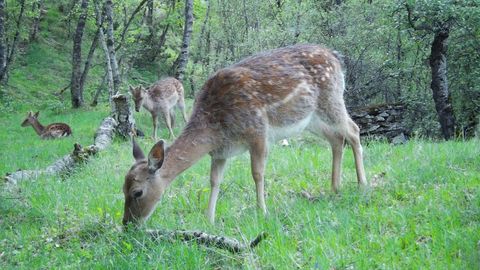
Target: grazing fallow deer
52,131
263,98
161,97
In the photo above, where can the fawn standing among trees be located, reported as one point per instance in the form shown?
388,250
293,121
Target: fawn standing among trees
261,99
52,131
161,97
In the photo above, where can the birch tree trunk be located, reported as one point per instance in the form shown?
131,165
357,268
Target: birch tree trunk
76,88
3,52
111,45
187,34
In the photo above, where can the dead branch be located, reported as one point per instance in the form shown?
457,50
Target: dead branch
60,93
222,242
412,21
103,138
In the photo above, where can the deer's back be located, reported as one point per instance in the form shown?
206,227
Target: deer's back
279,88
56,130
168,89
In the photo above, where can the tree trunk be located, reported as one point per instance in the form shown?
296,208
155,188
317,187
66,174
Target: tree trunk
88,62
187,33
36,21
122,113
10,54
108,67
111,46
110,82
3,51
99,90
149,18
76,89
439,85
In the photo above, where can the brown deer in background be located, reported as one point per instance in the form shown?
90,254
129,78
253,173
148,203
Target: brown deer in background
161,98
261,99
52,131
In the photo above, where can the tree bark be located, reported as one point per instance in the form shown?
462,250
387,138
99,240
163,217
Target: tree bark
110,82
123,114
36,21
187,33
88,62
439,85
10,54
76,89
108,67
3,52
111,45
149,18
99,90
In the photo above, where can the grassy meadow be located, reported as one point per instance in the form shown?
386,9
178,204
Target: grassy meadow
422,210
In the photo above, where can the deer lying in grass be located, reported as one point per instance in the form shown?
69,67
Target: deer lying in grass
161,98
52,131
261,99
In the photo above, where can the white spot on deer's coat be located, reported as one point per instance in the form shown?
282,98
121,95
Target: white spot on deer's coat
302,86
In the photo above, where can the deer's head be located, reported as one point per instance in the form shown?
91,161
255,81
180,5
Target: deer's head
138,94
142,189
31,118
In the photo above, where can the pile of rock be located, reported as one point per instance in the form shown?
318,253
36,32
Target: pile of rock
382,121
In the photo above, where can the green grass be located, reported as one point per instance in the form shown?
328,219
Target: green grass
423,213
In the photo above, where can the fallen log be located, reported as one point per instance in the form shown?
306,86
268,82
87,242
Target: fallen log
102,139
222,242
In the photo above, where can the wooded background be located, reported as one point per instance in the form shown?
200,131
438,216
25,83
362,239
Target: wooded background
423,54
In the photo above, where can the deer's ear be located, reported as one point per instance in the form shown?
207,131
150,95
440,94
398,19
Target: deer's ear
131,88
36,114
156,155
137,151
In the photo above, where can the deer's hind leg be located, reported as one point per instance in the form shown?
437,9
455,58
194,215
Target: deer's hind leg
168,121
155,121
181,106
353,138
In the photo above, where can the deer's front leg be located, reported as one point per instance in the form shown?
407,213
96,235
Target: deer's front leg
258,156
216,177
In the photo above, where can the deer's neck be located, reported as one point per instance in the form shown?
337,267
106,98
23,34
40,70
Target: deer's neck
148,102
39,128
190,147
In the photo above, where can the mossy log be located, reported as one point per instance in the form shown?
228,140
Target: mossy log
222,242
